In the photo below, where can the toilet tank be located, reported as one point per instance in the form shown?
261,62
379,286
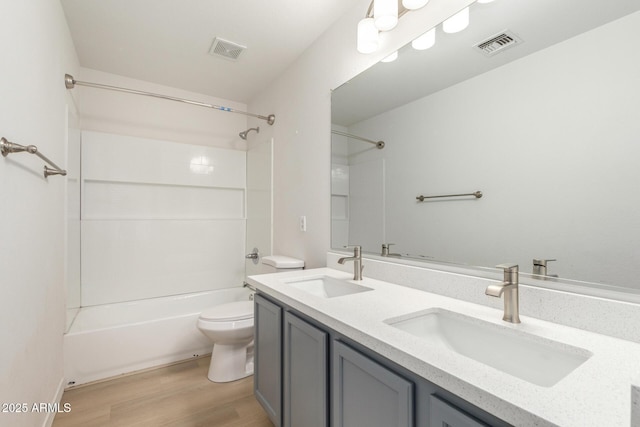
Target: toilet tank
277,263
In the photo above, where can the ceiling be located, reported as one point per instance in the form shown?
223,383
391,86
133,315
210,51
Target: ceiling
168,41
454,58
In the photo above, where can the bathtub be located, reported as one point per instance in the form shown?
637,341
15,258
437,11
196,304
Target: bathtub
113,339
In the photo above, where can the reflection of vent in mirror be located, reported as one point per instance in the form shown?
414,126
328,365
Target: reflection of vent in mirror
226,49
498,43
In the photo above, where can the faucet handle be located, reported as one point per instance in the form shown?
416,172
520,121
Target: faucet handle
510,272
357,249
542,262
508,267
385,248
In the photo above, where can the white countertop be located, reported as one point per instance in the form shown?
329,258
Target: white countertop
597,393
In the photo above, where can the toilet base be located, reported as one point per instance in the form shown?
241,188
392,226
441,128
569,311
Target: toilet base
230,362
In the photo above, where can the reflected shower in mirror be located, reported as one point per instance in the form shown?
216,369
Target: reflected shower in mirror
548,129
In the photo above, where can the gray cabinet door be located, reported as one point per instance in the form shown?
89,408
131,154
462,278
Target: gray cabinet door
366,393
305,374
443,414
267,380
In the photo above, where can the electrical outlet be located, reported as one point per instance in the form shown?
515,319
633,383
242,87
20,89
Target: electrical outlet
303,223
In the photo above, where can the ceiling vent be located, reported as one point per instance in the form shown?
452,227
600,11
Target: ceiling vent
498,43
226,49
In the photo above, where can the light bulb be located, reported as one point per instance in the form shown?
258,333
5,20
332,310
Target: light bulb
415,4
425,41
457,22
367,36
391,57
385,14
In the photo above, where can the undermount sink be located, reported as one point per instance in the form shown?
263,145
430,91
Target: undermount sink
531,358
326,286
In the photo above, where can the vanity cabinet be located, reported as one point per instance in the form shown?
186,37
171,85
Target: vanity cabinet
267,375
366,393
307,375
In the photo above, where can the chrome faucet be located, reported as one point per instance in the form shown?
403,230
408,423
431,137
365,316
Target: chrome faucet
509,287
357,262
385,250
540,269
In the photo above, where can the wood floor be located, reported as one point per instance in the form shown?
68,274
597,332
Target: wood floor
177,395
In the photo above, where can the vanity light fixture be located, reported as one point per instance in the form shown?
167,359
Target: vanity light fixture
385,14
367,36
416,4
382,15
425,41
457,22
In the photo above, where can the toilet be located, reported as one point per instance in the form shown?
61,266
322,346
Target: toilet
230,328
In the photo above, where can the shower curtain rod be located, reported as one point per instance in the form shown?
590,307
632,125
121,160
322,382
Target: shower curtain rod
70,83
378,144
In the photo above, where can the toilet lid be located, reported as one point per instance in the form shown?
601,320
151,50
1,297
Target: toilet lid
238,310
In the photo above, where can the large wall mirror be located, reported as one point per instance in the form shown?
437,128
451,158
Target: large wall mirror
545,123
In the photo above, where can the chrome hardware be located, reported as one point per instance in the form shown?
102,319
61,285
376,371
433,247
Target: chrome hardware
477,195
249,286
357,262
70,83
385,250
244,134
254,256
7,147
379,144
540,269
509,287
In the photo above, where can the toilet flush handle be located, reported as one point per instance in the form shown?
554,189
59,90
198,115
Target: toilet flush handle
254,256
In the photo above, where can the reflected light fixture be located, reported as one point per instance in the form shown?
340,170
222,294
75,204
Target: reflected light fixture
385,14
416,4
391,57
425,41
457,22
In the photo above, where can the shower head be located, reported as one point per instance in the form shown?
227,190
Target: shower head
243,135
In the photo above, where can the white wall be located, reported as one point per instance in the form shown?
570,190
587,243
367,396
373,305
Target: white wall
551,140
36,53
301,101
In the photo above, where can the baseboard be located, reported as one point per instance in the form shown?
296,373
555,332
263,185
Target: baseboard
48,421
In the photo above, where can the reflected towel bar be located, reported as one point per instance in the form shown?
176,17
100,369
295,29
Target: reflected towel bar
477,195
7,147
378,144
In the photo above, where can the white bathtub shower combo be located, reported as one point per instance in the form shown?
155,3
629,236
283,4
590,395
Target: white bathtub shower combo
162,236
112,339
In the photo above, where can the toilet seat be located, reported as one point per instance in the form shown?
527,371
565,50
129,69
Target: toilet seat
232,311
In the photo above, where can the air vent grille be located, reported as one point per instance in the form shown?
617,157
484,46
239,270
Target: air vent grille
498,43
226,49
